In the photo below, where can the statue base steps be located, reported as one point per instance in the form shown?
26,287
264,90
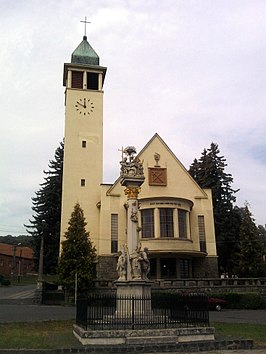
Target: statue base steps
143,336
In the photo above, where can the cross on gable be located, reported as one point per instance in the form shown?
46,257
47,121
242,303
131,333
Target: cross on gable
122,153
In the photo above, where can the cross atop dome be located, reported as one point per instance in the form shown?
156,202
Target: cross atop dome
85,29
84,53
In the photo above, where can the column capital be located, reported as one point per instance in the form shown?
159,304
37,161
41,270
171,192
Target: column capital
132,192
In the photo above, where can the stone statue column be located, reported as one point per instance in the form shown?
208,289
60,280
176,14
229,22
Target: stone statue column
132,177
132,217
133,261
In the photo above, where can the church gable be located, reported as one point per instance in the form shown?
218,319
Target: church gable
164,173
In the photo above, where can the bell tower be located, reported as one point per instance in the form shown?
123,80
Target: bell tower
83,151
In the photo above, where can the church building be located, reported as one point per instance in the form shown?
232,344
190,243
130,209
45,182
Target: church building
175,216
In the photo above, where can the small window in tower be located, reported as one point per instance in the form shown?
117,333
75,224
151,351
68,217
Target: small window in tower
82,182
77,79
84,143
92,81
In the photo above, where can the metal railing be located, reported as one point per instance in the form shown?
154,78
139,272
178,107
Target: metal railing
101,312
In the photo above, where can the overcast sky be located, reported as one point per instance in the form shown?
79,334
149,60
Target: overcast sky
191,70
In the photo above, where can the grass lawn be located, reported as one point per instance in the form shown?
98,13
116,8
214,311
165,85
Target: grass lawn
38,335
58,334
242,331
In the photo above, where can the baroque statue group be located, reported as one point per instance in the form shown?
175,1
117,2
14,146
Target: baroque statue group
134,266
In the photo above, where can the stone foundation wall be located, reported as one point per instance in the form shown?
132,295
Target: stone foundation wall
202,268
106,268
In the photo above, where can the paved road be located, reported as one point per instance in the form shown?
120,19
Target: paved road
16,306
17,292
12,312
26,313
239,316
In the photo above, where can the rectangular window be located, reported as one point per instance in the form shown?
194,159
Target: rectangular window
92,81
77,79
166,222
202,234
168,267
114,233
184,268
82,182
153,266
182,223
84,143
147,223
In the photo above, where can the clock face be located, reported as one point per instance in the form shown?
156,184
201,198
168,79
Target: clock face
84,106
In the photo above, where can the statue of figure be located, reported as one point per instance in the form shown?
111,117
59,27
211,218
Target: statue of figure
145,264
131,165
136,260
134,216
122,265
139,166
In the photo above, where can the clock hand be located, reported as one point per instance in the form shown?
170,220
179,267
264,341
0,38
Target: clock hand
80,104
84,103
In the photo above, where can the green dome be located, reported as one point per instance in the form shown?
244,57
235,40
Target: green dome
85,54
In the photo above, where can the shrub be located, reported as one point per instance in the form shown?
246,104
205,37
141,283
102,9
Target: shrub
4,281
247,301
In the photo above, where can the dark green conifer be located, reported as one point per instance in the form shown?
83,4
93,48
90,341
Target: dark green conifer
209,172
78,255
251,248
47,208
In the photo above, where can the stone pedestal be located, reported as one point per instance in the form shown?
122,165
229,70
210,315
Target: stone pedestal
133,298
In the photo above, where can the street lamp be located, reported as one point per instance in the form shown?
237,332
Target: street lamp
19,265
40,270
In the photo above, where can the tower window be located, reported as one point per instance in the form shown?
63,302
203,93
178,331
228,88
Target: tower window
84,143
77,79
92,81
82,182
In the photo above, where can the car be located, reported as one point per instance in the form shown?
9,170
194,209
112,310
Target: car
216,304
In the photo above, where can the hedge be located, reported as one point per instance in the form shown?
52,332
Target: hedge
245,301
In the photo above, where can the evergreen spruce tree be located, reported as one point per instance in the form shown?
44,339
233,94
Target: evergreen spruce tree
262,238
78,254
251,248
209,172
47,208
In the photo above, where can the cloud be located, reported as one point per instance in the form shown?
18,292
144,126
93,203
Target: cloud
193,71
